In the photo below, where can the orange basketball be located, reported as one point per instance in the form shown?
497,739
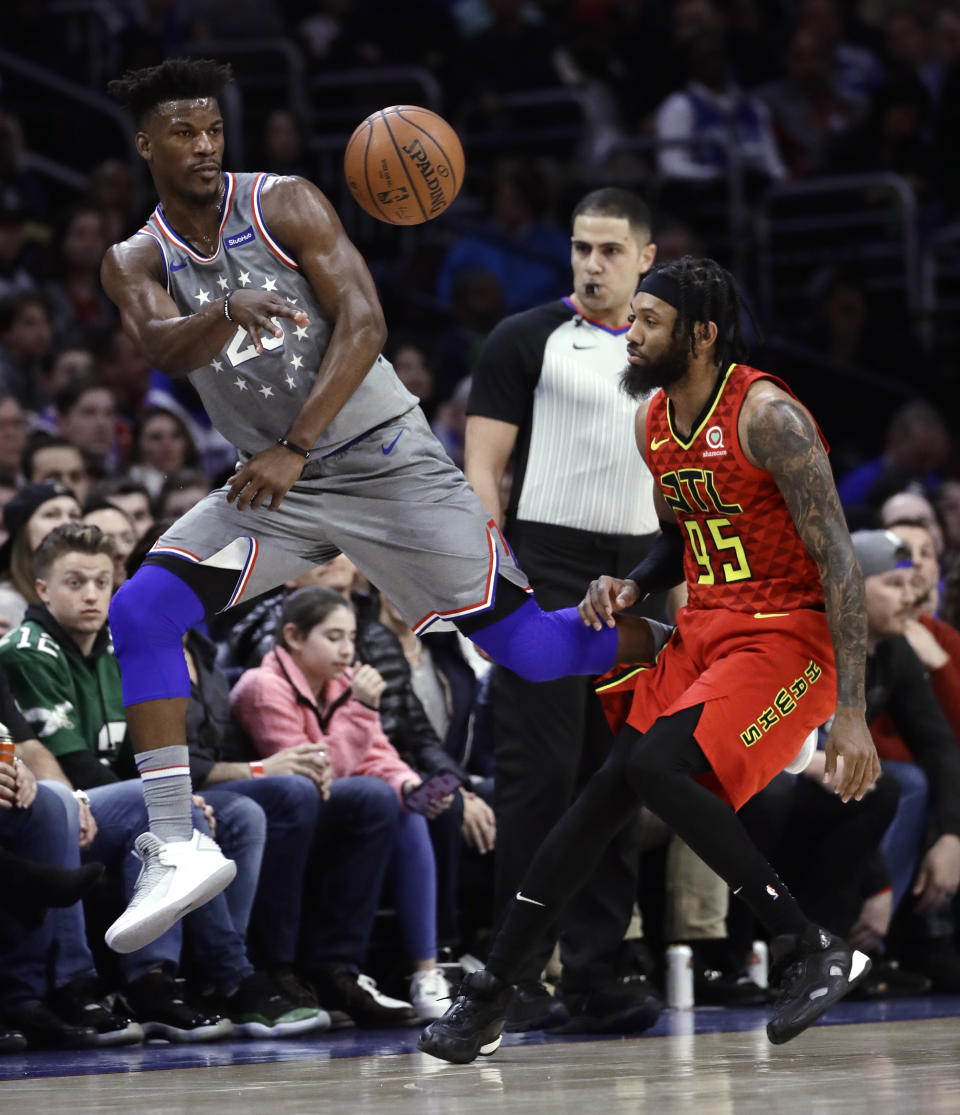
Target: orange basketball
404,165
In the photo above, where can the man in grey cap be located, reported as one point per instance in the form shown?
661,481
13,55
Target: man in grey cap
897,683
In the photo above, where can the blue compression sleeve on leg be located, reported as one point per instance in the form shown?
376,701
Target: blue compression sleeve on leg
542,646
149,616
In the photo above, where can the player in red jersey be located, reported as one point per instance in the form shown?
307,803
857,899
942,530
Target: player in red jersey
771,643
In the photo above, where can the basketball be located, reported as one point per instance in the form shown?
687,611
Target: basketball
404,165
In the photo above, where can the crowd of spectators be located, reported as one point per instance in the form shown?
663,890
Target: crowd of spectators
97,449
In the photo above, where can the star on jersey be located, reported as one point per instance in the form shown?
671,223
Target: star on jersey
296,361
301,332
222,283
238,382
293,300
291,382
202,297
265,391
244,278
217,366
269,284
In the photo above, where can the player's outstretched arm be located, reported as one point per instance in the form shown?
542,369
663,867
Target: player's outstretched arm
778,435
132,276
305,223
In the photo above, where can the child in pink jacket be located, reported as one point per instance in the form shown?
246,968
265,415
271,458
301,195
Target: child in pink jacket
307,691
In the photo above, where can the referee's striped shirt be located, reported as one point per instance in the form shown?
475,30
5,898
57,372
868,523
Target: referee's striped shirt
555,374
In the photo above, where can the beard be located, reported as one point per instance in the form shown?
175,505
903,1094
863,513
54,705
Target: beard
639,380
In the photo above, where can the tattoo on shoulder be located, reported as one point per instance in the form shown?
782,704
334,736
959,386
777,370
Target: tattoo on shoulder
780,434
784,440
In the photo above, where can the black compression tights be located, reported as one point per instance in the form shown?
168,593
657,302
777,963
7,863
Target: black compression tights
657,769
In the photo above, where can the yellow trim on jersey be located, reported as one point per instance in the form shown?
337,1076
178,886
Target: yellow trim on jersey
618,681
706,418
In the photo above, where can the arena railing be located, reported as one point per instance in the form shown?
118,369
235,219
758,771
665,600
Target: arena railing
940,290
94,106
270,72
866,222
56,172
633,161
91,29
339,100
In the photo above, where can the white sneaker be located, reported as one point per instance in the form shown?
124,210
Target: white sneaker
430,994
176,878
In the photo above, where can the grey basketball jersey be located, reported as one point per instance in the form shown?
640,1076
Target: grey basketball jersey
252,398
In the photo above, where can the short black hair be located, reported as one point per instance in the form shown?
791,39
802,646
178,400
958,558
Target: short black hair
176,79
71,393
13,306
36,443
120,485
100,503
612,201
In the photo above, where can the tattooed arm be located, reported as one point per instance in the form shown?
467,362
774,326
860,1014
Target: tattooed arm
778,435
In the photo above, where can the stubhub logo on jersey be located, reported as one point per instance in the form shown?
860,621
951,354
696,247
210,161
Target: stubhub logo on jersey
244,237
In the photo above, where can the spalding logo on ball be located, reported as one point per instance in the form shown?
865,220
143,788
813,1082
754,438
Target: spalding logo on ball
404,165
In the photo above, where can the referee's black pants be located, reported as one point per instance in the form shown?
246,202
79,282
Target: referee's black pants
550,737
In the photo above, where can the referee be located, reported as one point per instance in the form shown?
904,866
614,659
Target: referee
546,389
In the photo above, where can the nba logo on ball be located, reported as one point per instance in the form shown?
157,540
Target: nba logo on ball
715,437
404,165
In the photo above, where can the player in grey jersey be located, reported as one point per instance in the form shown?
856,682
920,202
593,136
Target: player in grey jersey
248,285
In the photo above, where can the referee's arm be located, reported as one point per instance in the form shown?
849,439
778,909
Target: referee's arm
488,444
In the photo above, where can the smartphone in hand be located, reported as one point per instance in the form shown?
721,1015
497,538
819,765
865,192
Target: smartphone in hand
438,785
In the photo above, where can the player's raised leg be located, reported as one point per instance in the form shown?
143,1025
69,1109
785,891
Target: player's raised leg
182,868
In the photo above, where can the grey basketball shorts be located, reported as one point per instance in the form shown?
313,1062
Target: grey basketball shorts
392,501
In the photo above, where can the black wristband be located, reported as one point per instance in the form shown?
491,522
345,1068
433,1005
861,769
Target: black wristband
294,448
226,305
662,568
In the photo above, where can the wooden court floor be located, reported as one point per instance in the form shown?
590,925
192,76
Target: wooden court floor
910,1066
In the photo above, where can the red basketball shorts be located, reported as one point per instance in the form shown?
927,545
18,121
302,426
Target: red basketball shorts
766,680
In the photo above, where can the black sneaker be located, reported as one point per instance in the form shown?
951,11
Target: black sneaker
259,1009
160,1004
812,972
714,988
43,1028
534,1008
11,1041
294,988
357,996
82,1003
473,1025
619,1006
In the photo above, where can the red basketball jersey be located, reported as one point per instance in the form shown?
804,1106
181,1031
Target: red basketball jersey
742,549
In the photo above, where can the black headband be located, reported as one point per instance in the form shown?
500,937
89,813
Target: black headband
667,289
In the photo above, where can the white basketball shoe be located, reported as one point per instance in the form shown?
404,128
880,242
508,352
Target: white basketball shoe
176,878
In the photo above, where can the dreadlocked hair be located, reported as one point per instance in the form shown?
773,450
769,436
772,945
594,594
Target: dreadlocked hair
176,79
719,296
